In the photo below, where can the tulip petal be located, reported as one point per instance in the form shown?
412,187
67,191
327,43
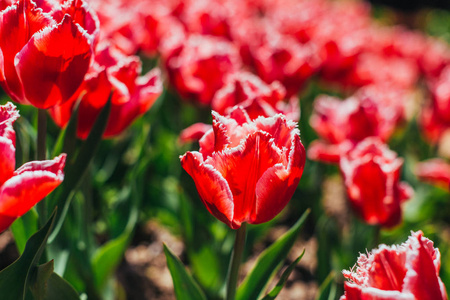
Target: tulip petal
53,63
356,292
277,185
212,188
18,23
142,98
8,160
422,278
279,128
29,184
8,114
194,132
242,167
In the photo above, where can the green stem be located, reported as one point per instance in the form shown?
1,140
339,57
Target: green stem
42,155
377,236
235,262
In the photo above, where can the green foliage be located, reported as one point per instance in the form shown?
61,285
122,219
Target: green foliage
282,281
185,286
269,262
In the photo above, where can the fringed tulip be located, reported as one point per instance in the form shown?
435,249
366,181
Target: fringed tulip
21,189
409,271
46,50
116,74
247,171
372,178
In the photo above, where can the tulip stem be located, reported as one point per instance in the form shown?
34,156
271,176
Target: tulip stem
42,155
235,262
377,236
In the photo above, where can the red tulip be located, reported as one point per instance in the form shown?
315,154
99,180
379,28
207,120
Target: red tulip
21,189
373,111
372,178
283,59
409,271
132,95
190,69
45,50
255,96
435,171
435,118
249,170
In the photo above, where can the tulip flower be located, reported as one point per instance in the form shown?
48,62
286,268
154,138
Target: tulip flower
46,50
249,170
21,189
132,95
190,70
255,96
372,178
372,111
435,117
435,171
409,271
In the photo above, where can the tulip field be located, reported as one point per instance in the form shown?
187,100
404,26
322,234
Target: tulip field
224,150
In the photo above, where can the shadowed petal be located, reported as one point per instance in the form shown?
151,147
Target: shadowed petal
212,188
277,185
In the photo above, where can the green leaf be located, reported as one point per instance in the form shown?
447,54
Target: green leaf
15,278
321,294
284,277
67,138
76,168
269,262
38,282
58,288
107,257
23,228
185,286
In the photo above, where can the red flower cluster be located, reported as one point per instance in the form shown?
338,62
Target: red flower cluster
247,171
409,271
372,178
21,189
199,68
46,49
255,96
373,111
112,73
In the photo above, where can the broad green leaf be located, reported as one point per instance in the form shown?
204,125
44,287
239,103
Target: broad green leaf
15,278
38,280
23,228
76,168
185,286
59,289
107,257
269,262
284,277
